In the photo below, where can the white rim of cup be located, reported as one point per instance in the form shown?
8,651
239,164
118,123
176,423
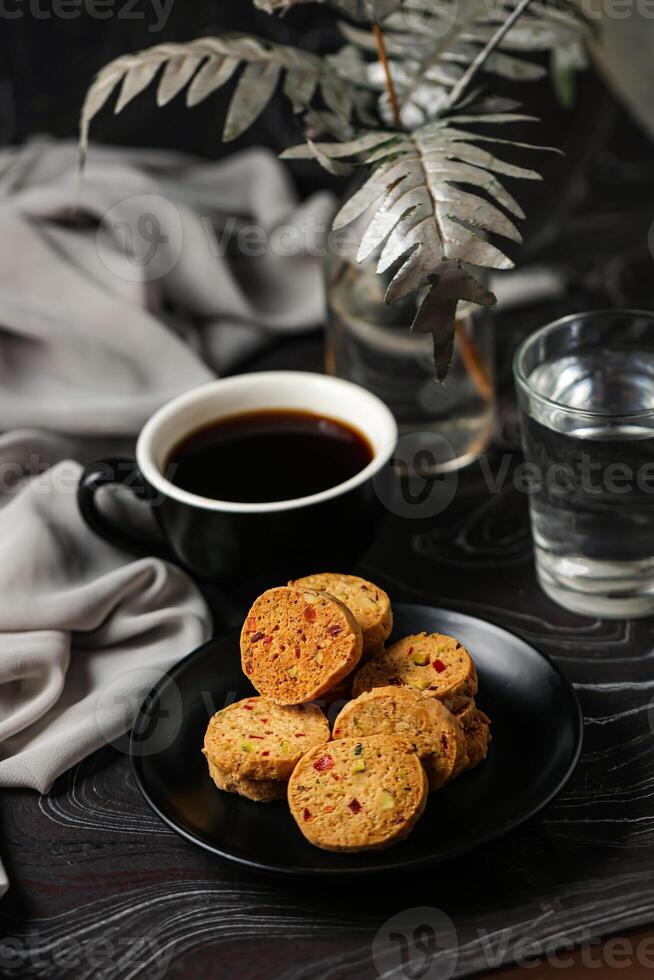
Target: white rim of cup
155,477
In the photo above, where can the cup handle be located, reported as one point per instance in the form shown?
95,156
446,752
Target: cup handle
113,471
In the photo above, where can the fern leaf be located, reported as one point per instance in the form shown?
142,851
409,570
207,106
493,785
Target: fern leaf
177,73
213,74
424,226
204,65
253,93
135,82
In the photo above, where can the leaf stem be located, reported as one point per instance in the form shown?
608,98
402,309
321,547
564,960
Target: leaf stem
390,84
478,62
474,363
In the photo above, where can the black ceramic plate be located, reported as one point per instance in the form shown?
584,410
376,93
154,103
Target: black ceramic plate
537,734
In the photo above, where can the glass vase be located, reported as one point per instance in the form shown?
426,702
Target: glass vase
370,342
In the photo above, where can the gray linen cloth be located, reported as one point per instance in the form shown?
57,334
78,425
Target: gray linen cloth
167,272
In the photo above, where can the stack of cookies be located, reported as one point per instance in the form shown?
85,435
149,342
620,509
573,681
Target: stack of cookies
408,726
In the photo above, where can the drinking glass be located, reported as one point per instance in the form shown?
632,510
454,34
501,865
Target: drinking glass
585,388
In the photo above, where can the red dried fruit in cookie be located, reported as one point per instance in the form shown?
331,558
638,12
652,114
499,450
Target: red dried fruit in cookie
257,636
267,640
310,614
248,666
335,630
355,806
323,763
306,814
444,741
329,809
438,666
248,707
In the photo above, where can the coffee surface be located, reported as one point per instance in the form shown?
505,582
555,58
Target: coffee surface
267,455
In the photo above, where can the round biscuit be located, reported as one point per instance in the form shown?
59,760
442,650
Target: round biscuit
296,644
434,733
437,665
369,604
256,739
358,794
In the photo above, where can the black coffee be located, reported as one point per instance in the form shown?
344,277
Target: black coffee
271,454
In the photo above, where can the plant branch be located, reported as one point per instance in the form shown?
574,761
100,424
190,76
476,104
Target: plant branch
478,62
390,84
443,45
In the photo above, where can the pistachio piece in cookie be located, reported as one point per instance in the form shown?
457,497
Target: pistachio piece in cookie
256,739
369,604
434,733
296,644
358,794
437,665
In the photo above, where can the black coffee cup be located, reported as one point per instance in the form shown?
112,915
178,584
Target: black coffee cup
226,541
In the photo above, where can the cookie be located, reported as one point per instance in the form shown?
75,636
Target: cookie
259,790
433,663
434,733
256,739
358,794
296,644
478,738
369,604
